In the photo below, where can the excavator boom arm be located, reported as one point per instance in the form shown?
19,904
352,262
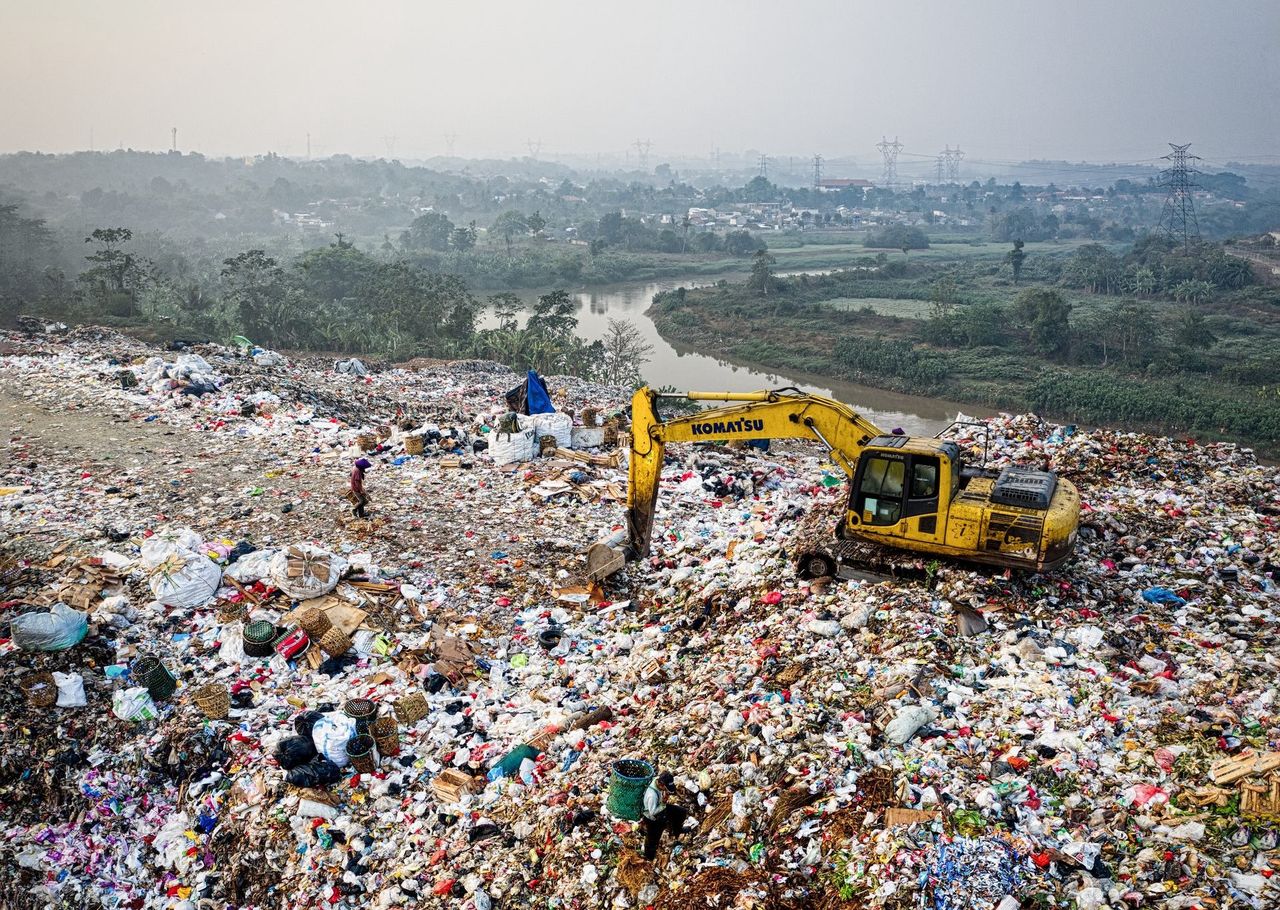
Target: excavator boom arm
756,415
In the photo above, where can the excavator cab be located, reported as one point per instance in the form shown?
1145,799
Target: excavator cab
901,484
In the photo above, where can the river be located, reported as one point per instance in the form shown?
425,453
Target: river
683,367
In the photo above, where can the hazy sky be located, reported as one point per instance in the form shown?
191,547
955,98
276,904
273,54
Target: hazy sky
1074,79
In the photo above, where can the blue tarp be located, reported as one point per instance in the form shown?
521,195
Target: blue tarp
536,395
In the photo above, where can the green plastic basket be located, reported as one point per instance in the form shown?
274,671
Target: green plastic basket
258,637
629,780
150,672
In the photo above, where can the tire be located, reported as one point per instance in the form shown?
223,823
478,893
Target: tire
815,564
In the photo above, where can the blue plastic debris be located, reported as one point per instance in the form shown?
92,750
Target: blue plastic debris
1158,595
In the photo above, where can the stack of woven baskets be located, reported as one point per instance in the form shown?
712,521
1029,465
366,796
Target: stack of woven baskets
319,628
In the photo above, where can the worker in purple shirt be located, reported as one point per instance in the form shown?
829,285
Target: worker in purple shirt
359,498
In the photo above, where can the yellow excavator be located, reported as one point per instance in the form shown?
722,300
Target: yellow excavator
909,496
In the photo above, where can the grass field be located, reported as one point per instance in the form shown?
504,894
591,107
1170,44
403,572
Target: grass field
885,306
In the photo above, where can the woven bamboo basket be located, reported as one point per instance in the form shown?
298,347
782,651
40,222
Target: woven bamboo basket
315,622
335,642
547,445
384,433
40,689
213,700
386,734
367,442
414,445
411,708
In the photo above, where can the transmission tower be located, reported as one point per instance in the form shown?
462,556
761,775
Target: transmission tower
535,146
390,143
1179,217
954,157
943,163
642,147
449,140
174,131
817,170
764,166
890,151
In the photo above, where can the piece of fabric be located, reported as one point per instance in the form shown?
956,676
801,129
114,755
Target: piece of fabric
538,401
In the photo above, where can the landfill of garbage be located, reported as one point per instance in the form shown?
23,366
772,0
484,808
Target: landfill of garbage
223,689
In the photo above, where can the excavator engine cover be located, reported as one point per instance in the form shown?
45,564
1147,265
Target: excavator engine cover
1024,487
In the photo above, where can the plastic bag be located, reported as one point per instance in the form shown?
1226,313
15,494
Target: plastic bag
70,690
304,571
305,722
293,751
353,367
134,704
512,448
252,566
186,580
330,735
163,544
56,630
556,424
907,721
319,772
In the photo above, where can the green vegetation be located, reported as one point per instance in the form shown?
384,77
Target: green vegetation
898,237
1098,335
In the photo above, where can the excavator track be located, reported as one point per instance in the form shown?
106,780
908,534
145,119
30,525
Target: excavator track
817,552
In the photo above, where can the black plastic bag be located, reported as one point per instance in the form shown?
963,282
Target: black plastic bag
295,751
319,772
303,723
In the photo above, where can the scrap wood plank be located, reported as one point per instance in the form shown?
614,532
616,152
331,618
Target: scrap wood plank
451,784
249,595
1249,765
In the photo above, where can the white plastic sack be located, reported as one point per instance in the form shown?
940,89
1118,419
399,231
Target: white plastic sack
191,365
164,543
252,566
353,367
70,690
512,448
320,571
186,580
907,721
56,630
330,735
558,425
269,359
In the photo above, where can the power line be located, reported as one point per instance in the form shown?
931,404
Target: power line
1178,219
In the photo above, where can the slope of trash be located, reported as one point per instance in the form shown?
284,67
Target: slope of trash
225,690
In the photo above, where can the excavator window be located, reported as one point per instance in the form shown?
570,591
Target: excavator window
880,493
924,479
